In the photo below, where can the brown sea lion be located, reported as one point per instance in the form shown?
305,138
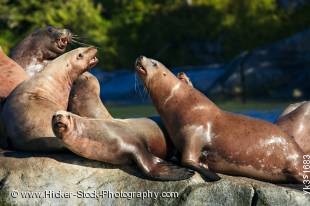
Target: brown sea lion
85,98
211,139
28,110
85,101
295,122
11,75
118,141
40,47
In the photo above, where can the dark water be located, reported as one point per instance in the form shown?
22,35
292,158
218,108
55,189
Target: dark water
270,116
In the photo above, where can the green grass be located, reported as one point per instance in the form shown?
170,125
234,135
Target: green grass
233,106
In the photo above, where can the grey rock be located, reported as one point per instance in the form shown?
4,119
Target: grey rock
66,172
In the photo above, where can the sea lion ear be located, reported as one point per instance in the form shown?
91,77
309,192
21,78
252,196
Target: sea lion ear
79,56
49,29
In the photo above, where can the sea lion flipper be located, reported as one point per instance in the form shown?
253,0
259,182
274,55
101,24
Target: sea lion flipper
158,169
205,173
168,171
208,175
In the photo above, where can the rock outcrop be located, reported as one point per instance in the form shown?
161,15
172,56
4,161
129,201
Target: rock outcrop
278,70
53,175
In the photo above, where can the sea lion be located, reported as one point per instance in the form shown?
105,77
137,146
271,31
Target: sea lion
118,141
40,47
11,75
28,110
295,122
210,139
85,99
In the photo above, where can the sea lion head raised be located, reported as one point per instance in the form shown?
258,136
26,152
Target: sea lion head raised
40,47
148,68
156,77
55,40
80,59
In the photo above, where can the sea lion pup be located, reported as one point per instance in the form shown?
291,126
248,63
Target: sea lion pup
295,122
211,139
40,47
118,142
28,110
183,77
84,99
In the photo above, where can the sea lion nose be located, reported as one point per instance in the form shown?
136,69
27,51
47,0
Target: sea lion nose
140,58
64,40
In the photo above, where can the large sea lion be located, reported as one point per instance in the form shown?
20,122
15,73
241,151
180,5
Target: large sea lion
40,47
11,75
211,139
295,122
118,141
28,110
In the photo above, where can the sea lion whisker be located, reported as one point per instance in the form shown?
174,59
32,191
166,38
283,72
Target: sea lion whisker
79,36
137,87
81,43
85,44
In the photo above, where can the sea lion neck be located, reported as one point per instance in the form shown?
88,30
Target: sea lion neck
59,73
169,93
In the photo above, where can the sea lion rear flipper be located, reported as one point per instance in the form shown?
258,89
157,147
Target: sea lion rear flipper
158,169
205,173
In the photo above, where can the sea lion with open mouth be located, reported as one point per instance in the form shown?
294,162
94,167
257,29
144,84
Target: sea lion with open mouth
28,110
40,47
118,141
210,139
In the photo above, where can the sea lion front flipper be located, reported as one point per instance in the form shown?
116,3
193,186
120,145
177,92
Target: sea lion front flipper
158,169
